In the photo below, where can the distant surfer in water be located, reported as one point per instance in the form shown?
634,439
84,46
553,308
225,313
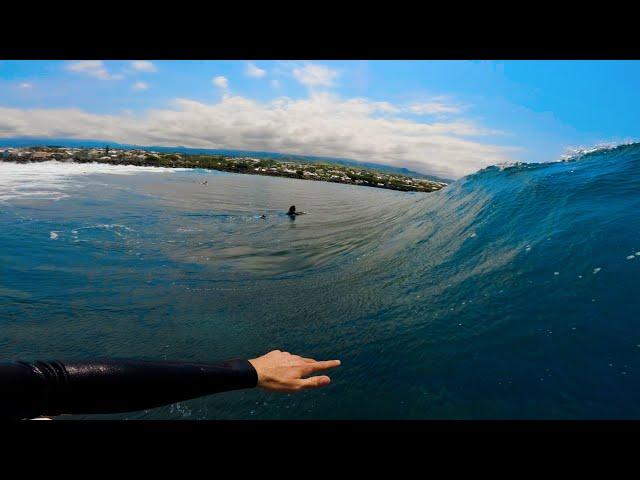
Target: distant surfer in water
206,182
292,211
263,216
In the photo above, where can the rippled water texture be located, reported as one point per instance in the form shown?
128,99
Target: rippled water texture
512,293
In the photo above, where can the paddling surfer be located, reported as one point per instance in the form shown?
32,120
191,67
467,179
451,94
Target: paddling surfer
292,211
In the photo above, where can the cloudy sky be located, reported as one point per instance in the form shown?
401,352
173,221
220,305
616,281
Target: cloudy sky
447,118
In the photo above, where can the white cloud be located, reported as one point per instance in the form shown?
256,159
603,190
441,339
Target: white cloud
433,108
322,124
25,85
92,68
254,71
275,83
314,75
140,86
144,66
220,81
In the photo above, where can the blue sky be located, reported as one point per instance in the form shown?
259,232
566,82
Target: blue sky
443,117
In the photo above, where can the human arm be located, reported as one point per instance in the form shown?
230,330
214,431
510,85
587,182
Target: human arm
32,389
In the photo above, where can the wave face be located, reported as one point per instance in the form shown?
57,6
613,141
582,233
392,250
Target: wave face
512,293
515,292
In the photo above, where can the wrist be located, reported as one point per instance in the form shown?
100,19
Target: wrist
254,365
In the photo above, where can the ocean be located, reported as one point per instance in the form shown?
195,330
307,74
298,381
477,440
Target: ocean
512,293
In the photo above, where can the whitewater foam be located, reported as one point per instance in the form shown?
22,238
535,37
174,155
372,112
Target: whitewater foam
575,153
107,226
571,154
52,180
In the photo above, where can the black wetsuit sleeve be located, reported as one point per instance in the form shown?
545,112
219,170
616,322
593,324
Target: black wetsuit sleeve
29,390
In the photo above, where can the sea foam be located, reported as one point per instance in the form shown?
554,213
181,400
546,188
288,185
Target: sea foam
53,180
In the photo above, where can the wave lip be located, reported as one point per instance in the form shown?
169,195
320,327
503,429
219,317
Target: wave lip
575,153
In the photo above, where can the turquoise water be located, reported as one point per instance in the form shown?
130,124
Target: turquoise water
512,293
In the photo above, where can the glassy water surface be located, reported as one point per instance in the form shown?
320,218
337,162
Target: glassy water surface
512,293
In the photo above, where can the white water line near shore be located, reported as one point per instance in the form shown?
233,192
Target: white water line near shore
52,179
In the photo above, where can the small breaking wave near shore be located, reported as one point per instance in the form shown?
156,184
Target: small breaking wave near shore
52,180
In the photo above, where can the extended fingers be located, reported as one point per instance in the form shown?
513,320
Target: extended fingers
323,365
313,382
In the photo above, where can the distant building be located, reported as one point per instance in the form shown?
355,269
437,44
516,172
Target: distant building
40,155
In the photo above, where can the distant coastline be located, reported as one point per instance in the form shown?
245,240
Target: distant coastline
23,142
291,168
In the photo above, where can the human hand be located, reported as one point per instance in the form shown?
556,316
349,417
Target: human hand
282,372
